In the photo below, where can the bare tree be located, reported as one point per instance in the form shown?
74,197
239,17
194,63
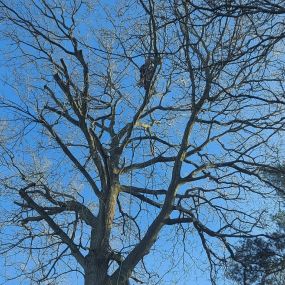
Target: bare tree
96,169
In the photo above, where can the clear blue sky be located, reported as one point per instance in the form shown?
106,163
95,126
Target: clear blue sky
199,277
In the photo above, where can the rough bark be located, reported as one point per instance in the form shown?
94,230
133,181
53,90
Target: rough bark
95,271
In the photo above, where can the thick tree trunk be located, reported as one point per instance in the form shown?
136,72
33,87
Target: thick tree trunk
90,278
99,278
95,271
95,277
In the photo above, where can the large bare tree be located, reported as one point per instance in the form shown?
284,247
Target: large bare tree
102,166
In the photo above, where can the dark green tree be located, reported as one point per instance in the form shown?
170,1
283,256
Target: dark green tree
261,260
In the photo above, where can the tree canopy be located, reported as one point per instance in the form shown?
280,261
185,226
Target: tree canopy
116,179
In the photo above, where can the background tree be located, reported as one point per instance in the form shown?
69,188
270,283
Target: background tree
97,173
261,260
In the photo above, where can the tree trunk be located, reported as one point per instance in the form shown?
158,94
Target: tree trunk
96,271
90,278
96,277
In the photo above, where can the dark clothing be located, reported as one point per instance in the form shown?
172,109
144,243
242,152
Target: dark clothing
146,73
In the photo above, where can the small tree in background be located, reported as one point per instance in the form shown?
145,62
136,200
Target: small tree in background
261,260
110,180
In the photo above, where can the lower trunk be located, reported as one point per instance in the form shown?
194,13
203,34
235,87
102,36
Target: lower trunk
95,278
90,278
98,277
96,272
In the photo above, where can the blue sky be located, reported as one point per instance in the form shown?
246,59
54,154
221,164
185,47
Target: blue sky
199,277
194,274
192,263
